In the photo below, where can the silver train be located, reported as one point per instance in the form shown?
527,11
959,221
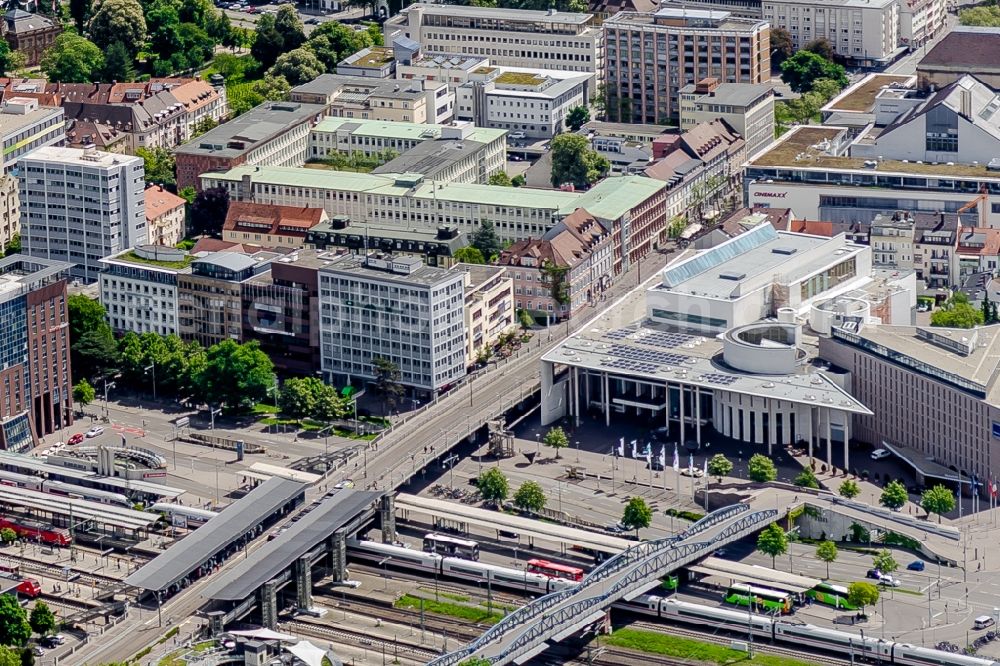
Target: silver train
64,489
843,643
453,567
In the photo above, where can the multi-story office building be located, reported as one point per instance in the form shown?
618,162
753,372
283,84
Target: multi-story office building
138,288
569,268
272,134
535,104
865,32
650,57
631,206
81,206
949,374
489,307
210,296
747,108
393,308
435,247
508,37
378,99
34,357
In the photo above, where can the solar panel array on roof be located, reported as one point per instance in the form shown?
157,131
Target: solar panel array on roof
665,339
626,364
649,355
619,334
714,378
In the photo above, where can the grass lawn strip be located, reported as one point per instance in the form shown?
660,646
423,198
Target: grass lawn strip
451,609
687,648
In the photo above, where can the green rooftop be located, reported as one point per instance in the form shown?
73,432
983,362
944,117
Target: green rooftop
376,57
133,258
520,79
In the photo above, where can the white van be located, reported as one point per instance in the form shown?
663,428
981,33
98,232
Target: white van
983,621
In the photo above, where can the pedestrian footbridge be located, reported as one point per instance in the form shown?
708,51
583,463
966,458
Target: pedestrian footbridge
549,619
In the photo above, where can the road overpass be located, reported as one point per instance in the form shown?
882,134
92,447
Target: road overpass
530,630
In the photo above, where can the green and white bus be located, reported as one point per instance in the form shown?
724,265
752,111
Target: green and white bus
758,598
831,595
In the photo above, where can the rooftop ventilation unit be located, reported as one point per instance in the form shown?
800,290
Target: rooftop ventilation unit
784,250
732,275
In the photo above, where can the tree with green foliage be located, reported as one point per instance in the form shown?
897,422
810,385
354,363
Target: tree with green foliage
894,495
159,164
821,47
272,88
500,179
519,180
331,406
95,353
85,314
719,466
79,10
557,439
885,562
268,43
84,393
13,245
862,594
469,255
118,21
42,620
805,67
939,499
575,163
476,661
806,479
493,486
235,375
827,89
297,66
7,535
957,312
761,469
8,58
206,124
826,551
577,117
298,397
782,46
14,627
208,212
72,59
387,384
849,488
530,497
289,26
10,657
119,65
333,41
637,515
485,240
772,541
984,15
525,319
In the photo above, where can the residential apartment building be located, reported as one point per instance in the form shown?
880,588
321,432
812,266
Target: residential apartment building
435,247
978,251
31,34
81,206
632,206
270,226
535,104
459,153
508,37
272,134
161,113
964,50
747,108
569,268
952,376
165,214
865,32
651,56
921,21
281,311
210,296
393,308
138,288
489,307
927,243
34,357
378,99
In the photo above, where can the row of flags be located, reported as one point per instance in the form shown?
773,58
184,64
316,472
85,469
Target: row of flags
647,453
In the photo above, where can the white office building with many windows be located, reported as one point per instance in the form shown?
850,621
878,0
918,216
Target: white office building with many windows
81,205
394,308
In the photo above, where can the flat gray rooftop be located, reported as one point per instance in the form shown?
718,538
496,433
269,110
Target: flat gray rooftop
255,127
275,556
208,540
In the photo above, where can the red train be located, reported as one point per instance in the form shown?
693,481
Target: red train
37,531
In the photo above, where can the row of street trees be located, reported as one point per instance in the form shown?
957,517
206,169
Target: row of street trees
17,625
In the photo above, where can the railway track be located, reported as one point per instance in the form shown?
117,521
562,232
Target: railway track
448,586
58,572
397,646
442,624
674,630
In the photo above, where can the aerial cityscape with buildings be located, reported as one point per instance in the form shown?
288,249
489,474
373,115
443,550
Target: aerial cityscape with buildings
476,333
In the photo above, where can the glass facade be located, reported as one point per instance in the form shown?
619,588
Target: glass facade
706,261
688,318
13,333
828,279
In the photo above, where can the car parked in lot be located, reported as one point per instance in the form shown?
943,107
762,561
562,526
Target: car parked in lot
96,431
879,454
516,135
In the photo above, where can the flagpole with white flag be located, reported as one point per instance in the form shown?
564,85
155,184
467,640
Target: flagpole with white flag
663,464
635,460
677,471
649,464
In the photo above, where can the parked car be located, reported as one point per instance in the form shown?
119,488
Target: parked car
983,621
879,454
96,431
75,439
696,472
916,565
516,135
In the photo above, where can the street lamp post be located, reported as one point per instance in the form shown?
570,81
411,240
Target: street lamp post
213,412
148,368
538,444
107,385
